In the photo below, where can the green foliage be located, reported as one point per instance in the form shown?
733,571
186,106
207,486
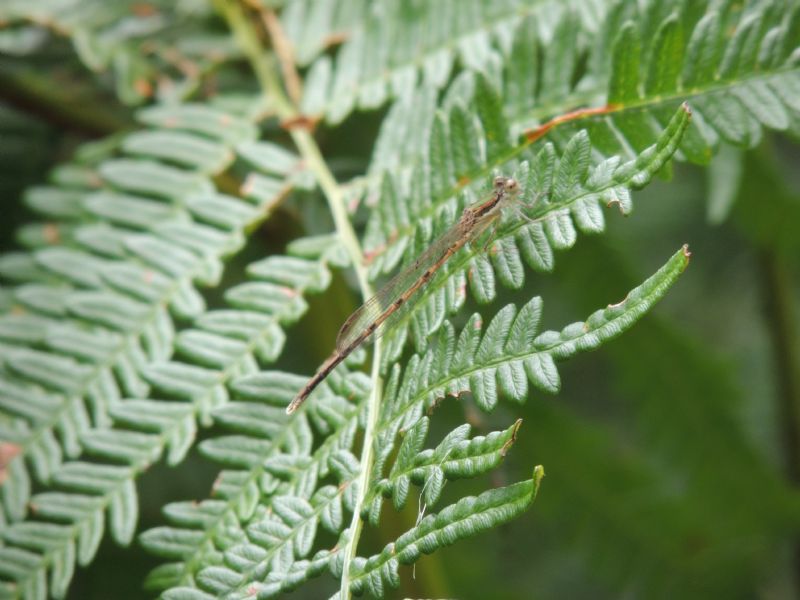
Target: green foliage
106,335
161,49
560,194
393,45
469,516
114,354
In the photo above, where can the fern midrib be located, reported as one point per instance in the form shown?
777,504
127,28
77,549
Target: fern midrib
434,388
96,372
407,472
385,556
160,438
232,501
247,574
263,67
678,95
713,89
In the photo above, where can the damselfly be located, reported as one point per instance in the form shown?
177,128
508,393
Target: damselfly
379,313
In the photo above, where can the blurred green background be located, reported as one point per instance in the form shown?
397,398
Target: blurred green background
672,453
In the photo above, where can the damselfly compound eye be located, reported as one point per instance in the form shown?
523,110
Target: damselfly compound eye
511,184
499,182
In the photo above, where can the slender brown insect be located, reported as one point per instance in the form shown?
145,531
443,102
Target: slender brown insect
379,313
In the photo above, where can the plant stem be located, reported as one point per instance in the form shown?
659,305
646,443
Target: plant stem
283,51
367,457
264,67
782,324
781,321
79,110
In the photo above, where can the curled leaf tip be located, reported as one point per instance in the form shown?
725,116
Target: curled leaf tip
686,255
538,474
504,450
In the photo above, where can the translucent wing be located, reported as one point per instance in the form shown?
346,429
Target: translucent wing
399,293
379,313
375,308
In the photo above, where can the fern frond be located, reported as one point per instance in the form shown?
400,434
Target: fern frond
312,27
467,517
397,45
560,195
275,456
102,318
146,428
274,502
455,457
543,76
737,68
285,525
163,51
503,359
139,243
110,359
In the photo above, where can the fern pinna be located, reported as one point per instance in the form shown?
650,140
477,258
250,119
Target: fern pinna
110,357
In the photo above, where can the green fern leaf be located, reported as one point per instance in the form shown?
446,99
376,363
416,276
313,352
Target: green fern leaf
367,71
508,354
312,26
624,82
570,184
467,517
117,279
113,39
455,457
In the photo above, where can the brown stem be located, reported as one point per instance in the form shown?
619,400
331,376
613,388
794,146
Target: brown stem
283,50
532,135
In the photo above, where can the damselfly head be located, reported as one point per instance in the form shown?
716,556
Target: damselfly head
510,184
505,184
